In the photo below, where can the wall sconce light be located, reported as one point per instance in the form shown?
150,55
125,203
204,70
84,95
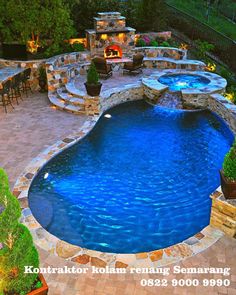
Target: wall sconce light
104,36
32,46
121,36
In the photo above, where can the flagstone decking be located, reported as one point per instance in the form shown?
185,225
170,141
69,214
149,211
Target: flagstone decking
32,127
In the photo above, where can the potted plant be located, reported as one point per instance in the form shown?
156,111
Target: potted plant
17,249
228,174
42,79
93,86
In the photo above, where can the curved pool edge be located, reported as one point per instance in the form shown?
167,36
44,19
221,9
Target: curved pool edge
43,239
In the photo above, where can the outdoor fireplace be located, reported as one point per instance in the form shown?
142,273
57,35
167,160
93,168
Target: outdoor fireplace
113,51
110,37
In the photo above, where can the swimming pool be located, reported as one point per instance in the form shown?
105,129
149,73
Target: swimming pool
139,181
177,82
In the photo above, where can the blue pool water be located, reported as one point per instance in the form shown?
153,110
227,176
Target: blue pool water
177,82
139,181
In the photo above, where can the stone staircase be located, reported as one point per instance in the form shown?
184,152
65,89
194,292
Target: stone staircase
66,100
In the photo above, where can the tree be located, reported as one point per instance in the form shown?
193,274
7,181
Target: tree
23,20
152,15
17,249
130,10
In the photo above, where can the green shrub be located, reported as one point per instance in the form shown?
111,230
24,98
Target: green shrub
92,75
173,43
53,50
228,75
232,91
140,43
165,44
18,250
78,47
229,165
154,43
203,47
63,47
38,285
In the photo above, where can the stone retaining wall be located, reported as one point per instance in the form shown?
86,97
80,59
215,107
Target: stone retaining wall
218,104
58,68
167,63
199,100
167,52
33,64
131,93
95,106
223,214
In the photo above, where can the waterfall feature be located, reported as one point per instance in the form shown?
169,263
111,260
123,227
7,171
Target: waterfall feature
171,100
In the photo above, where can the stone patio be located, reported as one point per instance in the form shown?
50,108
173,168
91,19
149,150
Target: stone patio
32,127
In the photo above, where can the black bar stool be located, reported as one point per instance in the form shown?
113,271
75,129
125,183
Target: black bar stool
16,88
25,77
5,95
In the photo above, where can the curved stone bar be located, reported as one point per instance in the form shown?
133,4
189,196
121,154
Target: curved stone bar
8,73
33,64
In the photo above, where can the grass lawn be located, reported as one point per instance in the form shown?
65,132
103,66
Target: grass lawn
197,9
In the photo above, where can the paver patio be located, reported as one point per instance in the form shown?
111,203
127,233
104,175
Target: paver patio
33,126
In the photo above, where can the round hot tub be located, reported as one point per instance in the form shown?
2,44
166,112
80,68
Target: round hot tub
177,82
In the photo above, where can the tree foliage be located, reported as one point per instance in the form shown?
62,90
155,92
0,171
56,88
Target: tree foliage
17,249
23,20
152,15
92,75
229,165
203,48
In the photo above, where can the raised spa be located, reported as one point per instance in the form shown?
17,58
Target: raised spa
139,181
177,82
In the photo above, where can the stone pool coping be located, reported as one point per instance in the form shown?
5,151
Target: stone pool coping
43,239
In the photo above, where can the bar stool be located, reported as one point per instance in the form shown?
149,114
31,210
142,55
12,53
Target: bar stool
5,95
25,77
16,88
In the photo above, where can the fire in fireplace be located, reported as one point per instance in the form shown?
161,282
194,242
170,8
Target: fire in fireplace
113,51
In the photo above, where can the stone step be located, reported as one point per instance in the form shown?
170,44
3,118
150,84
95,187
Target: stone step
61,104
69,98
70,87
